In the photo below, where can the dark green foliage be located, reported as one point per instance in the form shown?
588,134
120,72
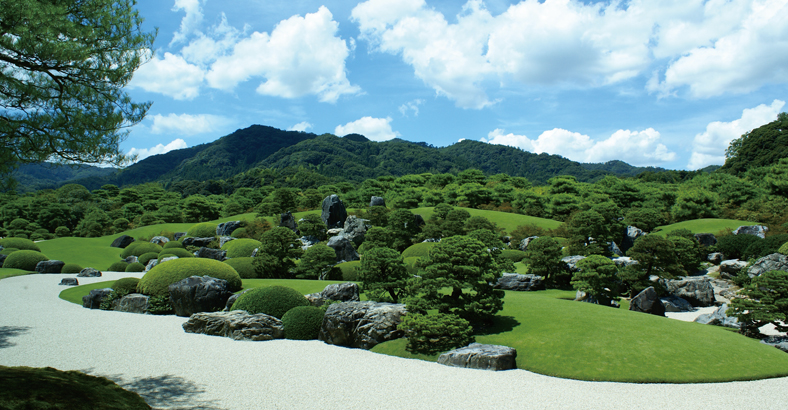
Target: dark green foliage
783,249
243,266
589,233
597,277
513,255
694,204
418,250
765,300
763,146
159,305
402,228
160,277
135,267
765,247
435,333
29,388
689,254
146,257
202,230
644,218
656,256
524,231
279,249
375,237
734,246
24,259
173,244
71,268
8,251
19,243
127,285
303,322
179,252
317,262
138,248
239,248
384,276
271,300
312,225
543,257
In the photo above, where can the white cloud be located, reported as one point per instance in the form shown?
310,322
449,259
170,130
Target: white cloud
411,106
301,126
708,148
143,153
172,76
190,22
187,124
204,49
376,129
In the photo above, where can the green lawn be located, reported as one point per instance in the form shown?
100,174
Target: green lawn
8,272
74,294
710,225
505,220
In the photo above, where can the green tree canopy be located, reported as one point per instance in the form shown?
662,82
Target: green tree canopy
279,249
597,277
765,301
383,275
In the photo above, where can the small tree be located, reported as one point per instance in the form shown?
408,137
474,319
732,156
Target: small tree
313,225
764,301
383,275
317,262
597,278
402,227
656,256
543,257
279,249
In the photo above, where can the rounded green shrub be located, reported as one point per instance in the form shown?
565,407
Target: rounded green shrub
24,260
119,266
8,251
173,244
135,267
349,270
202,230
783,249
243,266
513,255
19,243
240,233
125,285
71,268
147,257
271,300
239,248
419,249
435,333
179,252
303,322
158,279
139,248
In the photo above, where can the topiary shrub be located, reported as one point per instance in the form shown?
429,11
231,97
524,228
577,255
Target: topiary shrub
202,230
733,246
240,233
24,260
419,249
160,277
127,285
513,255
431,334
71,268
19,243
173,244
271,300
349,270
239,248
243,266
135,267
119,266
179,252
139,248
303,322
147,257
8,251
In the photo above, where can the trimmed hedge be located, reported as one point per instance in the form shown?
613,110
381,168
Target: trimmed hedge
243,266
179,252
419,249
158,279
125,285
119,266
513,255
349,270
19,243
271,300
202,230
173,244
240,248
135,267
147,257
139,248
71,268
8,251
303,322
24,260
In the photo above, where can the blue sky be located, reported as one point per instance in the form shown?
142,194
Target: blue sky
666,83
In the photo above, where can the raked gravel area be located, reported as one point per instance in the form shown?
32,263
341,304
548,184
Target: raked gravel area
153,356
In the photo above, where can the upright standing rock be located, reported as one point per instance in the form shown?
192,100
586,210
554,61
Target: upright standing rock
377,201
334,213
288,221
631,233
198,294
227,228
647,301
355,229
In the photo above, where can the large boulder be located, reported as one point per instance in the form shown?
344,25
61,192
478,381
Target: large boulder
571,262
343,249
676,304
706,239
730,268
377,201
479,356
288,221
514,281
355,229
757,230
361,324
93,299
49,266
224,239
236,324
227,228
69,282
524,243
122,241
89,273
333,212
719,318
647,301
342,292
133,303
198,294
159,240
780,342
696,290
199,242
775,261
211,253
630,234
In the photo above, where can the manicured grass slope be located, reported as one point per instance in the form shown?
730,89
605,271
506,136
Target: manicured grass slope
704,225
8,272
505,220
575,340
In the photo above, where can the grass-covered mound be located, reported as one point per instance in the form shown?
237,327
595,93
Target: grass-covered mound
147,257
709,225
179,252
8,251
48,388
506,221
303,322
271,300
563,338
74,294
24,260
158,279
71,268
202,230
173,244
243,266
125,285
135,267
514,255
239,248
349,270
19,243
119,266
7,273
139,249
418,250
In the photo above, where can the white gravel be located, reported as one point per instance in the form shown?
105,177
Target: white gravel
172,369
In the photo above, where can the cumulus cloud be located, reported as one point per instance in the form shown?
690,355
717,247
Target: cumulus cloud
301,126
172,76
708,148
190,22
376,129
143,153
411,106
187,124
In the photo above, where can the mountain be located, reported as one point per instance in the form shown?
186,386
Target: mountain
32,177
761,147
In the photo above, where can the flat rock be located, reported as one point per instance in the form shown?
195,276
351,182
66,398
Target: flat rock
757,230
89,273
49,266
211,253
236,324
647,302
719,318
361,324
199,242
122,241
133,303
768,263
480,356
93,299
676,304
69,282
517,282
694,289
198,294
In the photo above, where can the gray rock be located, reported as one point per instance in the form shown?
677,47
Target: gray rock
697,290
479,356
757,230
198,294
377,201
122,241
2,259
308,242
333,212
584,297
151,264
93,299
361,324
631,233
69,282
236,324
335,232
288,221
730,268
133,303
719,318
775,261
227,228
355,229
706,239
647,302
343,249
780,342
233,298
715,258
524,243
514,281
342,292
178,235
159,240
89,273
224,239
676,304
199,242
49,266
211,253
614,249
571,262
624,261
131,259
419,220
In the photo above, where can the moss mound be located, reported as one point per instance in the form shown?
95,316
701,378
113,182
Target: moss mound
71,268
135,267
8,251
303,322
240,248
202,230
119,266
125,285
158,279
419,249
349,270
243,266
147,257
173,244
179,252
19,243
24,259
139,248
271,300
513,255
783,249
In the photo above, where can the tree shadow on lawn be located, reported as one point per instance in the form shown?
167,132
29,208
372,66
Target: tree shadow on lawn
499,324
7,332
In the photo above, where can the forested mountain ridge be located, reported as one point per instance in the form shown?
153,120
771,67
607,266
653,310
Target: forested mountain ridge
763,146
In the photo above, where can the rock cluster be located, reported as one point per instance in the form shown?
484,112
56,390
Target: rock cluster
93,299
343,292
697,290
768,263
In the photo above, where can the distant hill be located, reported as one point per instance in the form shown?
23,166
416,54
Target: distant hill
763,146
33,177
